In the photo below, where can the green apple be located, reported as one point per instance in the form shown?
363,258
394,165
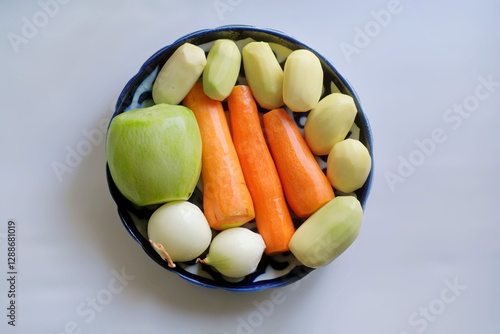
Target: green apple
154,153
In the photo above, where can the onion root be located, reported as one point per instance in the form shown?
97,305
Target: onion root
163,251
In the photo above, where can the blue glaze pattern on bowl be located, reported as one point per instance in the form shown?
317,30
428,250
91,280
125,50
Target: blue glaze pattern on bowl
273,271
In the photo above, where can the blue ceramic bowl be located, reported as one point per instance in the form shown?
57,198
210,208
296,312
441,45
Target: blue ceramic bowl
273,271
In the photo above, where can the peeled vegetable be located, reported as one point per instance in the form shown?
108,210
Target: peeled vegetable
272,216
154,153
329,122
222,69
179,74
264,74
179,232
302,80
348,165
305,184
328,232
235,252
227,202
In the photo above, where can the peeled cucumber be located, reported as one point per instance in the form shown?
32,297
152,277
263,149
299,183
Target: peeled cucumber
264,74
222,69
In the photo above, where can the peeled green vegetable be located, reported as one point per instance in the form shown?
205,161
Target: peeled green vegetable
264,74
329,122
302,80
154,153
348,165
179,74
222,69
328,232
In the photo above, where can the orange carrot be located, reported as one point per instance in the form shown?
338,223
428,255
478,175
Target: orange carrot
272,216
306,186
226,199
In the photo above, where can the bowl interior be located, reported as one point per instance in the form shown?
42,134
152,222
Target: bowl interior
273,271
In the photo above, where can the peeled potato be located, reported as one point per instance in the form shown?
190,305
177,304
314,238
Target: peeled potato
328,232
179,74
348,165
302,80
329,122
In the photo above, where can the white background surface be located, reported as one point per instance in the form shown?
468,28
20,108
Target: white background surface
435,226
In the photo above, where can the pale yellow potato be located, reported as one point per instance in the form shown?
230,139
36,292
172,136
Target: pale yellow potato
348,165
329,122
302,80
179,74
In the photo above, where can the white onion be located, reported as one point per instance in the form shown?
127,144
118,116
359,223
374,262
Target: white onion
179,232
235,252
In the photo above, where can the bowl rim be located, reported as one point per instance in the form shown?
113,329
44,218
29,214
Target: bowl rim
124,100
